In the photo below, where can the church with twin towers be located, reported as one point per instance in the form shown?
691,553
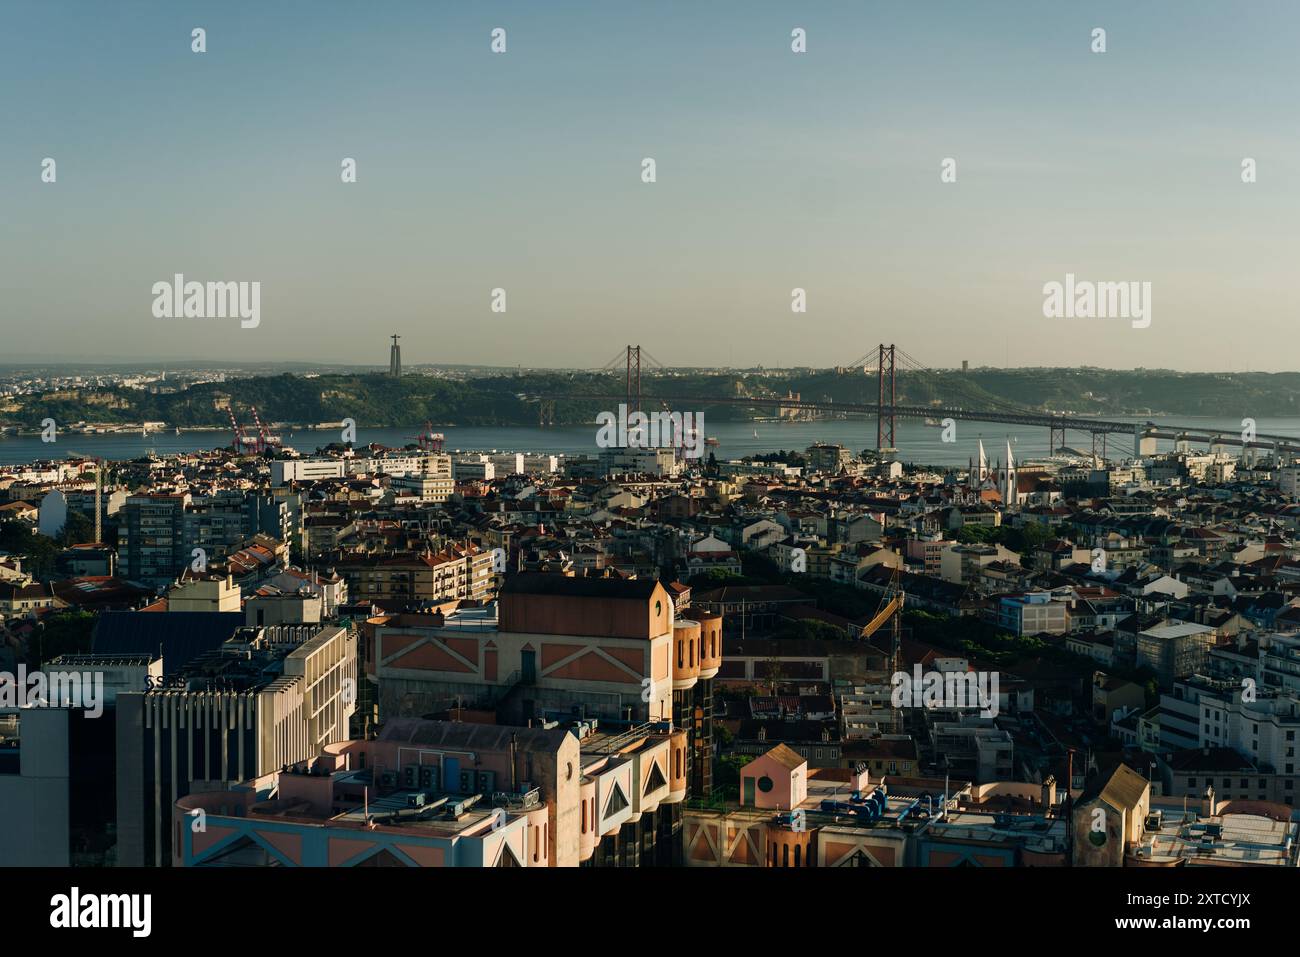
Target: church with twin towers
999,477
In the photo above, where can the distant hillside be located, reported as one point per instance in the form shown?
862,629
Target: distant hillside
375,400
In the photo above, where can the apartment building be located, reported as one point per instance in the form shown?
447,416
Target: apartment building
1263,730
557,643
164,529
58,768
267,697
1174,650
926,554
449,794
961,564
425,487
451,574
1181,708
1279,662
828,458
634,461
329,586
1192,772
421,794
553,647
284,471
154,550
974,750
204,594
475,468
1033,613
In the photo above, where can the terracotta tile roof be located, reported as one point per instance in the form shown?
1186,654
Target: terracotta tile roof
785,757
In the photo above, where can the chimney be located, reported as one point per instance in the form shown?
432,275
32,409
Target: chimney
1049,792
1209,806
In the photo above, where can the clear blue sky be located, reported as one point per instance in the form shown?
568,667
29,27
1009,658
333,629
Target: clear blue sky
775,170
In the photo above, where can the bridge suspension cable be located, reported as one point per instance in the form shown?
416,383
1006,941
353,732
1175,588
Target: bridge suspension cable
958,389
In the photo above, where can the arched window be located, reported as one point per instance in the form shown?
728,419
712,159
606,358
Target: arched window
692,659
584,817
796,855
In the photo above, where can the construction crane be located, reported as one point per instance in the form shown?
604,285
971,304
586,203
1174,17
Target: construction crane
891,606
99,497
678,440
891,611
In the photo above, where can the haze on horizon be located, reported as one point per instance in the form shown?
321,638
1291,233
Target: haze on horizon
774,171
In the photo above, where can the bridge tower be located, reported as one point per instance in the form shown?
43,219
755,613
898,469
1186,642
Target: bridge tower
885,444
1144,444
633,379
1055,444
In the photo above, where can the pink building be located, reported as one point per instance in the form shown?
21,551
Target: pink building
777,779
445,794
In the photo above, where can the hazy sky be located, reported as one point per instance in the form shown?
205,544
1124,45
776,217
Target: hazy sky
775,170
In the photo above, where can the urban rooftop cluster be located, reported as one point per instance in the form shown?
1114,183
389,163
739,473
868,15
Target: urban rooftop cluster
409,657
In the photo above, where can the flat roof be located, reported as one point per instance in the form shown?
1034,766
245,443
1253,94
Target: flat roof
1034,832
1242,839
1181,630
395,810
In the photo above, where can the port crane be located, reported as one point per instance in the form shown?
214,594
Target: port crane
430,441
243,443
265,438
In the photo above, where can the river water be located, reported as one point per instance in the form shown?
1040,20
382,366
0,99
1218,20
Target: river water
917,442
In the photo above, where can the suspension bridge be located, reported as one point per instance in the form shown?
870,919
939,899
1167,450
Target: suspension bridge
959,400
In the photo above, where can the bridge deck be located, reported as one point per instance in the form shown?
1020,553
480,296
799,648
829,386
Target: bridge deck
1044,419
